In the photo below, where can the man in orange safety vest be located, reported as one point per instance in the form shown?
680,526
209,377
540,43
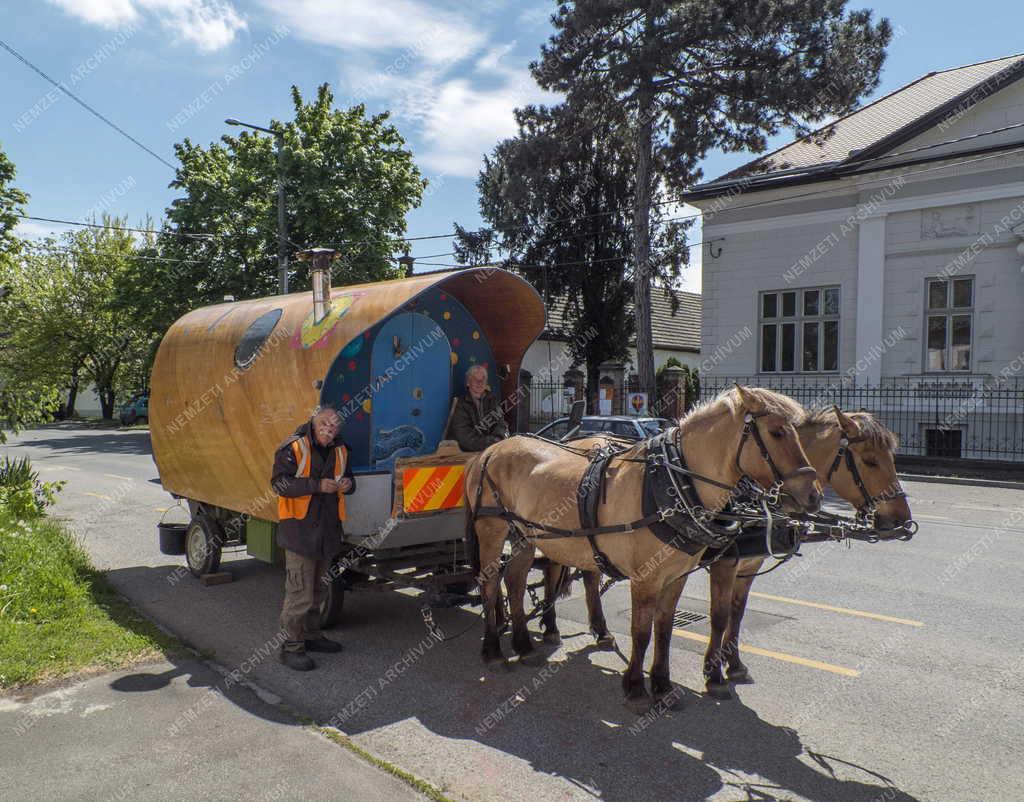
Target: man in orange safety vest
311,476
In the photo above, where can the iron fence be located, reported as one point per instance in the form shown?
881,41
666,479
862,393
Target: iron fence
953,417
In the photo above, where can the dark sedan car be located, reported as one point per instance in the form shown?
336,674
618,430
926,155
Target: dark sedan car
619,425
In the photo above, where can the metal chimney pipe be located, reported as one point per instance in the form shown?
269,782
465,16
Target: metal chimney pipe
320,274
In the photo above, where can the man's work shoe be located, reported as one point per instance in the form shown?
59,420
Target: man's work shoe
322,644
297,661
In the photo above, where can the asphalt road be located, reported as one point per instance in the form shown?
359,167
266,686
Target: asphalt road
883,672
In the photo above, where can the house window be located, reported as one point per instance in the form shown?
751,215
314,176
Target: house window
949,324
799,330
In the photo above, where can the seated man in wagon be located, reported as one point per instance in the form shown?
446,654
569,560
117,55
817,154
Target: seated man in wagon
478,420
311,476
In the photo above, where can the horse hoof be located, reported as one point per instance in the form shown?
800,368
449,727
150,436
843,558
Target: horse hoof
718,691
606,642
554,638
533,659
740,676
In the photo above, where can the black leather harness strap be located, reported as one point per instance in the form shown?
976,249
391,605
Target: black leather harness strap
845,454
750,429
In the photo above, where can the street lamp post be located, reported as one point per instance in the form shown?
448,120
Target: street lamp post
282,234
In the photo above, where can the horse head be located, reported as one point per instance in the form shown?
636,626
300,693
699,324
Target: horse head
863,469
769,449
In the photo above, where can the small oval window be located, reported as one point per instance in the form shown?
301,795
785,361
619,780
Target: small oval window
249,346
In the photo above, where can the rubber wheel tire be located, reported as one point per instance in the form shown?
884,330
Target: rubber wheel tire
333,602
129,419
203,541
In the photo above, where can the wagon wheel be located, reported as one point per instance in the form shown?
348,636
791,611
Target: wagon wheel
333,601
203,541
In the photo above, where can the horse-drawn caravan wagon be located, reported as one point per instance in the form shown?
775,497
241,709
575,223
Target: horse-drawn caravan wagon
231,381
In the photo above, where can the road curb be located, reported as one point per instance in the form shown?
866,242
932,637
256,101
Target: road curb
961,480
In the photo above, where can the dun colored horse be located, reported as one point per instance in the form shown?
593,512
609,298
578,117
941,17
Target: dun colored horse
871,485
534,484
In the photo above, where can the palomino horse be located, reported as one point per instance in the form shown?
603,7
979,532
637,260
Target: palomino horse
534,484
871,486
866,479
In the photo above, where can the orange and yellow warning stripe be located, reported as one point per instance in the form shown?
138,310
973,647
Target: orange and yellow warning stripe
434,488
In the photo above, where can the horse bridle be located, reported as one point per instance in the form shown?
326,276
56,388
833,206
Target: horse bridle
867,509
750,429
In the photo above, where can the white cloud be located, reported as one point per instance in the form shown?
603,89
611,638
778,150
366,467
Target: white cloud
108,13
435,64
207,24
432,35
467,121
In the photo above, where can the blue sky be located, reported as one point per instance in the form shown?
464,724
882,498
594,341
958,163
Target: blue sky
450,71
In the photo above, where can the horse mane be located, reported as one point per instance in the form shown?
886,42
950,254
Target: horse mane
774,403
874,432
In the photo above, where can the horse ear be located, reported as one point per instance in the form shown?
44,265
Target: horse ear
846,423
750,401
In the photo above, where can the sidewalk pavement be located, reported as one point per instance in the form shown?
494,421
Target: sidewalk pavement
171,731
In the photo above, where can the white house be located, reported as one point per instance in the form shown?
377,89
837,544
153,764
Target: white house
884,253
674,335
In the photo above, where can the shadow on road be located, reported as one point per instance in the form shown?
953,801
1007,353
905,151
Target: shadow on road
135,441
564,718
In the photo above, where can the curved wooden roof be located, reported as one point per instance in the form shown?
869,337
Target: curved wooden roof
215,426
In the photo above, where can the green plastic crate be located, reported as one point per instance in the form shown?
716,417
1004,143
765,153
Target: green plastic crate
260,541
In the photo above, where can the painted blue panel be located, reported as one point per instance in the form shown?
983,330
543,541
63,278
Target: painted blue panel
411,387
347,384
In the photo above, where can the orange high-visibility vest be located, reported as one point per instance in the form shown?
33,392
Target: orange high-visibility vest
298,506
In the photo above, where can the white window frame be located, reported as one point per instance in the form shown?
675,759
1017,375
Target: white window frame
798,320
948,312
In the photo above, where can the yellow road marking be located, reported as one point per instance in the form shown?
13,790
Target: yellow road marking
453,476
845,610
118,476
785,658
97,495
160,509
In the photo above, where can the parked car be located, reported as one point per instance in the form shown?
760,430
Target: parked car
135,409
619,425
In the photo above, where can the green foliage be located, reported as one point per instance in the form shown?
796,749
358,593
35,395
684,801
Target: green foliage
22,493
57,613
672,362
558,198
350,182
25,398
68,321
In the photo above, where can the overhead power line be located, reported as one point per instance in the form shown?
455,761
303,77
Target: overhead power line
83,104
192,234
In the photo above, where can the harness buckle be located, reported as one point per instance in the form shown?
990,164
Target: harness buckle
428,620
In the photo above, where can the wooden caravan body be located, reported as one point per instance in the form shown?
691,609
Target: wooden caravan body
232,381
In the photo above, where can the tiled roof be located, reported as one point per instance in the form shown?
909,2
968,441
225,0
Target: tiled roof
680,331
883,123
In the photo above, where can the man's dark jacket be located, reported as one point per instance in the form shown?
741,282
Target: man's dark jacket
318,535
476,429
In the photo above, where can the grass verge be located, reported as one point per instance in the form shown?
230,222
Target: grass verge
58,614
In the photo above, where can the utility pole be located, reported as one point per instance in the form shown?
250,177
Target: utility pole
282,233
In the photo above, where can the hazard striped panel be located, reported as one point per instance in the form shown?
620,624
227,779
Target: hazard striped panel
435,488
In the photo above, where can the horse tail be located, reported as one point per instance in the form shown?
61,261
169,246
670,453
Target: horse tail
470,537
563,585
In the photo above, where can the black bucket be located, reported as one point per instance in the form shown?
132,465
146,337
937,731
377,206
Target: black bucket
172,538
